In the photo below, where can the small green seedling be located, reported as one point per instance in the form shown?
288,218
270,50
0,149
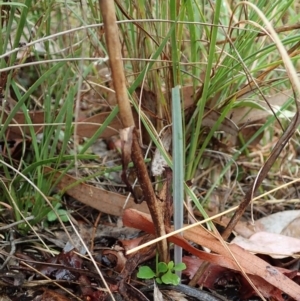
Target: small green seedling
62,213
165,273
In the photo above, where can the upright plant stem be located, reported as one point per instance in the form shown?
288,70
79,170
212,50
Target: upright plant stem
114,51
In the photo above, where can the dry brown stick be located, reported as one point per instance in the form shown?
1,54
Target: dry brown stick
284,139
115,58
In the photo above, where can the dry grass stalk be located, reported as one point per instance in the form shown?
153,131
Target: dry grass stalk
119,82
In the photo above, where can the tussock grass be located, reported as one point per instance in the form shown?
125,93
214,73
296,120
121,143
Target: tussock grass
221,49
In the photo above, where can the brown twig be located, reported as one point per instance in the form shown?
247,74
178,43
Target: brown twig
281,143
114,51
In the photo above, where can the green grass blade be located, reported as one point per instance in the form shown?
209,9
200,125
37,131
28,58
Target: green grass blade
178,171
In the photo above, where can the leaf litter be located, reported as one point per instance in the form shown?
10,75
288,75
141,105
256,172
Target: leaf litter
223,273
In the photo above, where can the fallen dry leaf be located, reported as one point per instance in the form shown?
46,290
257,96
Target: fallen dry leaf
276,235
51,295
244,229
102,200
129,244
292,229
89,126
277,222
250,263
245,114
115,257
285,223
19,125
275,245
217,276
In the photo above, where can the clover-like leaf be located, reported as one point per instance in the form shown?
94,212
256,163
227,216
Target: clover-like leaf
62,213
170,265
179,266
170,278
162,267
145,272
